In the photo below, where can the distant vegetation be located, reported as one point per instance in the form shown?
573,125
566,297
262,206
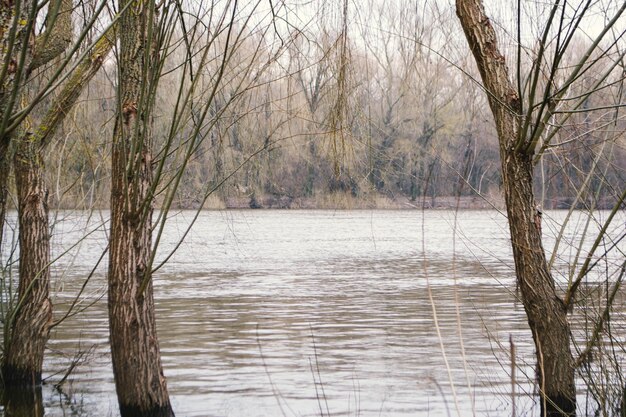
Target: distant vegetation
374,114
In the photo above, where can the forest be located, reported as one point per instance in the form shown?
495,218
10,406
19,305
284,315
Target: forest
320,110
143,108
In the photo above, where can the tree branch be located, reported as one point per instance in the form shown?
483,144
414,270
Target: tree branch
70,93
571,292
58,35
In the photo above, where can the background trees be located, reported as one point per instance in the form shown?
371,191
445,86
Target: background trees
409,117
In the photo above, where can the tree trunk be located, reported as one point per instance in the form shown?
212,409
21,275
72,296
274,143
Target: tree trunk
17,65
27,330
545,311
23,401
139,379
49,45
29,323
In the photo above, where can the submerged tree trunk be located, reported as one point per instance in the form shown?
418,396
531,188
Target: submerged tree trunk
30,321
139,379
27,330
26,338
545,311
23,401
28,325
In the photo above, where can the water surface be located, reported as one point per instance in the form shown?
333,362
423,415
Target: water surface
300,313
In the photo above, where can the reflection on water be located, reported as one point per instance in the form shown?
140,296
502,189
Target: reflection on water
299,312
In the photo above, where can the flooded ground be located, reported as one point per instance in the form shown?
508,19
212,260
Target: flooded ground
309,313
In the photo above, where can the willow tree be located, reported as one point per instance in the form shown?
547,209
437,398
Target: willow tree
27,324
139,380
23,51
148,163
528,115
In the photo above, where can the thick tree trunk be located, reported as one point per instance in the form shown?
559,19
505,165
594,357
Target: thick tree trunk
27,331
545,311
29,323
139,379
48,46
23,402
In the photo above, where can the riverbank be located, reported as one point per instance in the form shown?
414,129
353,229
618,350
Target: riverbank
348,202
378,202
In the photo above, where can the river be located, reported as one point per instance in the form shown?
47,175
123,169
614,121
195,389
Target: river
308,313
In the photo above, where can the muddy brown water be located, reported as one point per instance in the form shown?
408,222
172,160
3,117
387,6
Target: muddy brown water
309,313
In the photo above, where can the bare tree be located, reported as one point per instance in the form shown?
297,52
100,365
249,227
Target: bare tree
28,325
139,380
28,321
527,118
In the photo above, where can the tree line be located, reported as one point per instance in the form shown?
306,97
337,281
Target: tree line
386,118
142,105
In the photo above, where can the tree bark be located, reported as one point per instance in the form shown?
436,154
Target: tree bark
57,36
30,321
23,402
22,53
546,313
11,45
28,325
139,379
